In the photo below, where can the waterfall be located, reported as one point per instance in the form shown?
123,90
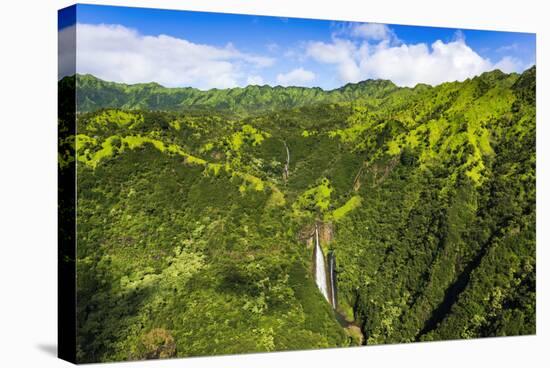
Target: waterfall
331,265
320,272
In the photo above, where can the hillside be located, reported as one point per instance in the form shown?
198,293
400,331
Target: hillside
195,226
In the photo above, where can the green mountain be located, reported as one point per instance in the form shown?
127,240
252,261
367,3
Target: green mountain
94,93
196,227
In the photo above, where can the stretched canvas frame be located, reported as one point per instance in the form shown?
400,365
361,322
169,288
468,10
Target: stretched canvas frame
380,189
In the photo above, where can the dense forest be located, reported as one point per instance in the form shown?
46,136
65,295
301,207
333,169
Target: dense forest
196,212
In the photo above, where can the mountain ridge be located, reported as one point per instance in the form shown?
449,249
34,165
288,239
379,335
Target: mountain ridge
95,93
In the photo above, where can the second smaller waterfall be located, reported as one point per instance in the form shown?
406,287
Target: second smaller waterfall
331,272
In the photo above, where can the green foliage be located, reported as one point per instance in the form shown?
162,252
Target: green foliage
192,238
316,199
349,206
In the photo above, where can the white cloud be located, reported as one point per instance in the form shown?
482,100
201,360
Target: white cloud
343,53
255,80
459,35
411,64
510,64
355,52
118,53
371,31
296,77
406,65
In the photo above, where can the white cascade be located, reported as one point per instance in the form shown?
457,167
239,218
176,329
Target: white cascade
320,272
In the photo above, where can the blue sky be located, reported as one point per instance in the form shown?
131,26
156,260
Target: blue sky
213,50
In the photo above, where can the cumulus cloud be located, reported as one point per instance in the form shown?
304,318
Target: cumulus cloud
296,77
255,80
356,51
411,64
510,64
405,65
371,31
118,53
344,54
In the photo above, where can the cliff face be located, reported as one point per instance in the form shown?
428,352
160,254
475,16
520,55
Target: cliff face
326,233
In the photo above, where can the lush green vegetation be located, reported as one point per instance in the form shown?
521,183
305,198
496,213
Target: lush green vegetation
193,241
